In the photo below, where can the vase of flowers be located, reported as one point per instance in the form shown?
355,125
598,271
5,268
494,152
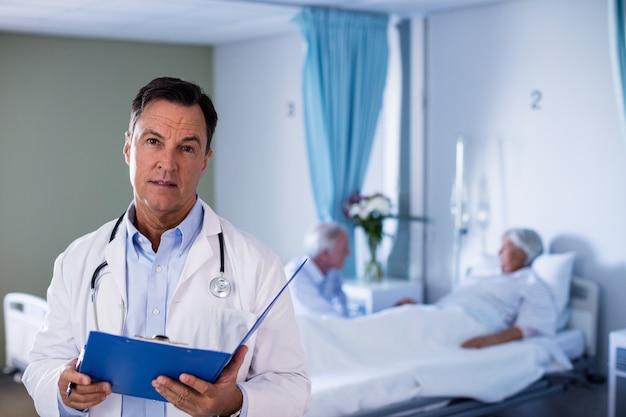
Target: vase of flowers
369,212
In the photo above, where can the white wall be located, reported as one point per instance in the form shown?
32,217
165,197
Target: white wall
261,172
560,169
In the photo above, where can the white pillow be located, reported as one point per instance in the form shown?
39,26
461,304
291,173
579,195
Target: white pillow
556,270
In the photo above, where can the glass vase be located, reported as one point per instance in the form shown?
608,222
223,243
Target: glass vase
373,271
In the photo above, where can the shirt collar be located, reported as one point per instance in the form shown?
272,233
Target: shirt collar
188,228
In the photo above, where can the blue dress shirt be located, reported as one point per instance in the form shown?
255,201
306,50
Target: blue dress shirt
316,294
151,280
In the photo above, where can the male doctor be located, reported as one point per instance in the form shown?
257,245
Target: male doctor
161,260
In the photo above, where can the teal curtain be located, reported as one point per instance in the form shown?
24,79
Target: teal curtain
618,38
344,75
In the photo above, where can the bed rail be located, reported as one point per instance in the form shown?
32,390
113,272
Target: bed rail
23,315
584,302
461,407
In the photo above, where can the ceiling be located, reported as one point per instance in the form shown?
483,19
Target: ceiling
199,22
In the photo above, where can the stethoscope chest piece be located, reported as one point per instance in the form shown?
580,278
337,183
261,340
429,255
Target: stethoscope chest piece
220,287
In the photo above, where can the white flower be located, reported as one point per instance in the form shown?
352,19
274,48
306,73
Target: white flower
365,209
379,203
356,210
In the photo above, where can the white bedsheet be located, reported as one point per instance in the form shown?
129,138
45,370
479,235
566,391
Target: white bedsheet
402,353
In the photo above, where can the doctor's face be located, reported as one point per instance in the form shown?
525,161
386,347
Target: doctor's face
166,155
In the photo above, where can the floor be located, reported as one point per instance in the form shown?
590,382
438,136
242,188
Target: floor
574,402
14,400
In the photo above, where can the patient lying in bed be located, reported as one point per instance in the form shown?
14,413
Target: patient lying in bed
413,351
513,304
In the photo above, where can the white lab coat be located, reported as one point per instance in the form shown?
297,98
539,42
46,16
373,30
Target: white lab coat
273,373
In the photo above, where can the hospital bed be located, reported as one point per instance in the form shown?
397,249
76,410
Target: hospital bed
458,383
23,315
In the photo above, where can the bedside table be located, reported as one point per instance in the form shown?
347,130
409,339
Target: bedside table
617,373
369,297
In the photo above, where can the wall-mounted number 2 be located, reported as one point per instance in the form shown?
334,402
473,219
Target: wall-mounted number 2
536,96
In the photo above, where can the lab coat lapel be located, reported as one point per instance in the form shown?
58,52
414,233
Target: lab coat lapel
200,254
111,299
206,247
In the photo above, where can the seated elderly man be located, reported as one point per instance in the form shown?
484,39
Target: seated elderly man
513,304
318,289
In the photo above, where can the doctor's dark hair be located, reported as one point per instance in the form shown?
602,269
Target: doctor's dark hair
175,91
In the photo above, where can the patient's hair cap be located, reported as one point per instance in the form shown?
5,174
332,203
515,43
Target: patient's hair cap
527,240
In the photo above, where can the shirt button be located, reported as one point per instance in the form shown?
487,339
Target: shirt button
155,311
159,269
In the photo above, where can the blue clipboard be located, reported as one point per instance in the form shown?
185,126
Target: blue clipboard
131,364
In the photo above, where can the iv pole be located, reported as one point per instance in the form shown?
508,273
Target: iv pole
458,210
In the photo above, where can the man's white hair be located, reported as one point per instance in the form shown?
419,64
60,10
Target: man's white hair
321,236
527,240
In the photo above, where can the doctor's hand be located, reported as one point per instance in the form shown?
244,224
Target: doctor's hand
83,394
201,398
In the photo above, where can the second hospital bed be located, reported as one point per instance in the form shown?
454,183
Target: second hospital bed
374,366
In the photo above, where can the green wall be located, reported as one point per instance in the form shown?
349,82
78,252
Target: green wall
64,108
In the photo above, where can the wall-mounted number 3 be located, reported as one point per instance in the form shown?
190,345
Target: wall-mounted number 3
536,96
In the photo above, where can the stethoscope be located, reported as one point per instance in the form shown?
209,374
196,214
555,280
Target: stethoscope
219,286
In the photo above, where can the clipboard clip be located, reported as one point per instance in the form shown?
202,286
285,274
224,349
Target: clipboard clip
160,338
